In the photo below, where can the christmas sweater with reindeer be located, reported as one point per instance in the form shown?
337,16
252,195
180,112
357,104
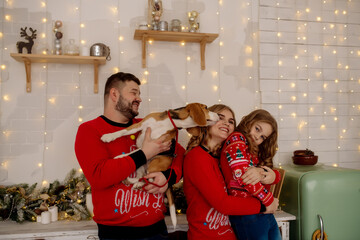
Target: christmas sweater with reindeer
117,204
235,160
208,201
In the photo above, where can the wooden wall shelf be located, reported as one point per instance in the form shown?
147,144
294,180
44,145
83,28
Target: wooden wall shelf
27,59
202,38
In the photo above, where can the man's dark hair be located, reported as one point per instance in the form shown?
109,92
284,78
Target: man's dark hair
113,81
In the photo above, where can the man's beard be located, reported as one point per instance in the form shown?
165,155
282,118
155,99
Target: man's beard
126,108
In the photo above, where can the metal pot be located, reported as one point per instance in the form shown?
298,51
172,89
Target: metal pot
100,50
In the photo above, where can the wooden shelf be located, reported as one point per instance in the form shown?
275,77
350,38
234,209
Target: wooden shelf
202,38
27,59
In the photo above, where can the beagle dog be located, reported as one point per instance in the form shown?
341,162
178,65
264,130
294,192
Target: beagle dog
168,122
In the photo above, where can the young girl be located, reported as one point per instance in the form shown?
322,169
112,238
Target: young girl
253,143
208,201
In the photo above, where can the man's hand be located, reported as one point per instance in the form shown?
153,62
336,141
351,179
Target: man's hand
159,179
273,206
152,147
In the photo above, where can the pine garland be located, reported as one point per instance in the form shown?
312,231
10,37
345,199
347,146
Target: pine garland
23,203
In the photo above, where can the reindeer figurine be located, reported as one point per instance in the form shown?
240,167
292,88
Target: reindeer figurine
28,45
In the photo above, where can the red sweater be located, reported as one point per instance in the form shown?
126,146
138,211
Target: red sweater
235,160
208,202
117,204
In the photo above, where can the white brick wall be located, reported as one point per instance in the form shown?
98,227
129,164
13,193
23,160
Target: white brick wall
301,54
245,69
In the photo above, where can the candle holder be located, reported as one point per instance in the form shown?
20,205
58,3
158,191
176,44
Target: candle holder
58,35
193,21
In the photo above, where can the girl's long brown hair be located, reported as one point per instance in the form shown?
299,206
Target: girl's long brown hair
204,136
267,149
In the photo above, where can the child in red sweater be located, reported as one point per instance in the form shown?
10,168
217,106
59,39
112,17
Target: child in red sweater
253,143
208,201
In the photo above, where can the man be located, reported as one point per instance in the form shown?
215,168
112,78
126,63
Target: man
120,211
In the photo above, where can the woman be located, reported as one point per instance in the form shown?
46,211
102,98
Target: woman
208,201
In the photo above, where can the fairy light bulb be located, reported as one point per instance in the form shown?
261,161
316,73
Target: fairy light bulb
52,100
6,98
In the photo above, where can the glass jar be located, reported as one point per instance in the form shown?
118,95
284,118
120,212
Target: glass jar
176,25
71,48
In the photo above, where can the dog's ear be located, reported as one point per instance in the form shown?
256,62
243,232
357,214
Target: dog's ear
195,131
196,112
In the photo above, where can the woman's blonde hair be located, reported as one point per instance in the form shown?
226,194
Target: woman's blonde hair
203,137
267,149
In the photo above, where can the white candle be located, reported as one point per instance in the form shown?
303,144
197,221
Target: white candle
45,217
38,218
54,213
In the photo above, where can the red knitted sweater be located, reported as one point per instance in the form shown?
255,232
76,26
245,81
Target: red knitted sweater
235,160
117,204
208,202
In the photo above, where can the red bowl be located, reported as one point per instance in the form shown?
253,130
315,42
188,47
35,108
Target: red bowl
305,159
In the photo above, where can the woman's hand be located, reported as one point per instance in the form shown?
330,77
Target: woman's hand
273,206
268,175
159,179
152,147
253,175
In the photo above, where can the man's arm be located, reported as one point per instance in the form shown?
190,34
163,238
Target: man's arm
172,175
103,170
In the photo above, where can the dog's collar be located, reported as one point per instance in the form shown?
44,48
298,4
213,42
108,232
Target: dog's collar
171,120
176,129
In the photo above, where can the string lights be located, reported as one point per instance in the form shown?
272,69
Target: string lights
311,69
311,84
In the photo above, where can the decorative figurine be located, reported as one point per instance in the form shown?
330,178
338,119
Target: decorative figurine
194,25
155,11
58,36
28,45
